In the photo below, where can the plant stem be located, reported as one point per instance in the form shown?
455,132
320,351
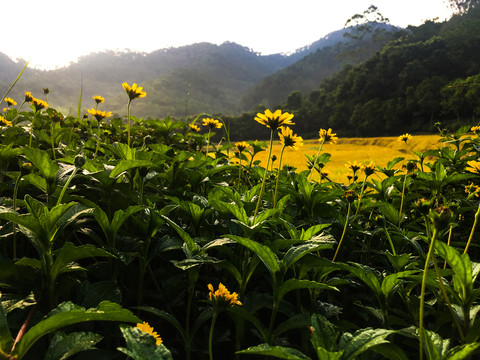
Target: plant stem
422,293
128,122
360,197
477,214
210,335
389,240
59,201
14,204
447,300
264,176
315,160
401,202
278,177
51,139
344,230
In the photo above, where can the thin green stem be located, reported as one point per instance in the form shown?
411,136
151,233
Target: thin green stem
210,335
477,215
31,129
14,204
278,177
447,300
64,189
98,139
315,160
208,140
264,176
390,240
422,292
128,122
51,140
360,197
344,231
401,202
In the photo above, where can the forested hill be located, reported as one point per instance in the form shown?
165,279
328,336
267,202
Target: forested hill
347,46
429,74
212,78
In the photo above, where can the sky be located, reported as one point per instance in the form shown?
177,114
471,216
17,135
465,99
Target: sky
53,33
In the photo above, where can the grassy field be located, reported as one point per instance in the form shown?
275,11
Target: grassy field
362,150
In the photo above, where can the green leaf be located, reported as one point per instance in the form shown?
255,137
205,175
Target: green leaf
6,339
191,244
70,252
324,334
435,346
267,256
241,312
279,352
389,211
298,321
363,340
297,252
125,165
295,284
41,160
142,346
172,320
390,351
67,314
462,352
462,266
65,345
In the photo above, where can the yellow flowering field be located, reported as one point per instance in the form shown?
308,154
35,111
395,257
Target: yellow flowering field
362,150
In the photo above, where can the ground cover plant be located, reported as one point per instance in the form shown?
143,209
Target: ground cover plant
145,239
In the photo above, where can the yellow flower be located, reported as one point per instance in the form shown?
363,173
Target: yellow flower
353,166
194,127
472,189
473,166
39,104
28,96
212,123
405,137
134,91
241,146
327,136
289,139
369,169
98,114
4,122
223,295
146,328
275,120
98,99
475,129
10,101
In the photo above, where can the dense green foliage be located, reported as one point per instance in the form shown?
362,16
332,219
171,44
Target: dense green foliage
428,74
96,235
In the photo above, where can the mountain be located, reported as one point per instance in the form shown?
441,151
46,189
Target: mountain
197,78
319,61
427,75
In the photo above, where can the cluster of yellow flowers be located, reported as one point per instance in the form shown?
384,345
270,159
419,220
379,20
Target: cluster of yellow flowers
222,295
146,328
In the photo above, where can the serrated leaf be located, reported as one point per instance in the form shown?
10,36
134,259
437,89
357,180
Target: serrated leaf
142,346
125,165
68,314
65,345
279,352
267,256
363,340
70,252
295,284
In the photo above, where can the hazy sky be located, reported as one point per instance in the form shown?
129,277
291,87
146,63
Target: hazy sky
52,33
